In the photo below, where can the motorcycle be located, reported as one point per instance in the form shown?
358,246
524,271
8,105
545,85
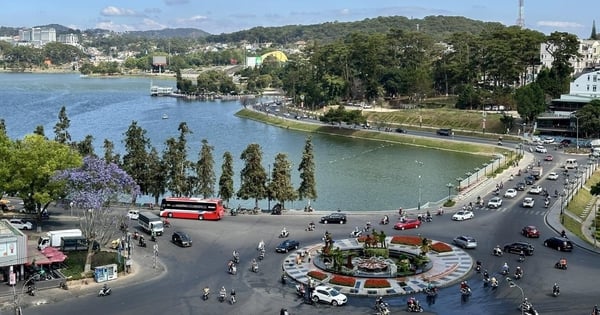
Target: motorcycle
518,275
300,291
465,291
385,220
166,223
105,291
136,235
528,309
142,242
555,291
254,268
504,271
497,252
440,211
310,227
232,297
478,266
382,309
428,218
222,296
546,203
31,290
284,234
414,308
236,259
356,233
205,294
232,269
261,256
561,266
283,279
494,283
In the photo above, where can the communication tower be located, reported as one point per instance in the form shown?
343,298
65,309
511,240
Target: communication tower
521,18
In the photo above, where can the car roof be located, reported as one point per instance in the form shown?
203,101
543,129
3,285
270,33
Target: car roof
467,237
558,238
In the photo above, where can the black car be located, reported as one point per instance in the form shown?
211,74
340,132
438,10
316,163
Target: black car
336,217
520,186
444,132
287,245
529,180
517,247
400,130
181,239
559,243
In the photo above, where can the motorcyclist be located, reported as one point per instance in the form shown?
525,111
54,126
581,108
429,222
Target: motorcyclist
254,265
505,268
518,272
236,256
521,256
497,250
379,303
486,275
494,282
368,226
428,216
222,292
563,234
261,245
555,289
205,292
440,211
284,231
385,220
464,286
526,305
232,296
595,311
562,262
412,303
478,265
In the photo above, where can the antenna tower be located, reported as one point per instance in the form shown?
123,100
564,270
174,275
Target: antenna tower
521,18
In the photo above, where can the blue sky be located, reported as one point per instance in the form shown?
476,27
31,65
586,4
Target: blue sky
219,16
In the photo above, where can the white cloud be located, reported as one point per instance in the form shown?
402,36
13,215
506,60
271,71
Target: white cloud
345,11
190,20
145,25
560,24
176,2
114,11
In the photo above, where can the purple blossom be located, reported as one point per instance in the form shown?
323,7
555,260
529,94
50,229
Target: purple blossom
96,183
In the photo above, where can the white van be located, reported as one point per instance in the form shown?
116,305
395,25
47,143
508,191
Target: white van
133,214
571,163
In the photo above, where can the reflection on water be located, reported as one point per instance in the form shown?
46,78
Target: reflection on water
351,174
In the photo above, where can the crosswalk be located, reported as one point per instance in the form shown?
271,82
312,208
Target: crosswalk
527,211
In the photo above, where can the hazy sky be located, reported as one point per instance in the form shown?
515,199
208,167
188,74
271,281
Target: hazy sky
217,17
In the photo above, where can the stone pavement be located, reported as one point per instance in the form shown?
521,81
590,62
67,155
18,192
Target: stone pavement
447,268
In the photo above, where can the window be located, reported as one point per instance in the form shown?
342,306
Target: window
588,87
595,78
593,88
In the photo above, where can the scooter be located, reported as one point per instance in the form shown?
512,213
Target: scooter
31,290
284,234
497,252
142,242
205,293
105,291
222,296
233,269
555,291
261,256
254,268
415,308
356,233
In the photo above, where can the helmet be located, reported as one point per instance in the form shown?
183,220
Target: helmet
465,282
525,300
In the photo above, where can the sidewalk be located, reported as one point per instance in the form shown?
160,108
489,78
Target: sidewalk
447,268
142,270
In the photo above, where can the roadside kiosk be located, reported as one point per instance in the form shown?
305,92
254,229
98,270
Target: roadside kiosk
105,273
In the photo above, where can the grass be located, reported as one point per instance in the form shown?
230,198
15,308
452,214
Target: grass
579,202
573,226
75,263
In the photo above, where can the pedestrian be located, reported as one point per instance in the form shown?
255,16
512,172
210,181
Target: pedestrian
309,257
400,211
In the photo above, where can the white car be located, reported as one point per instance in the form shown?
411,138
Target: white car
528,202
552,176
536,189
463,215
548,140
21,224
541,149
133,214
495,202
510,193
328,295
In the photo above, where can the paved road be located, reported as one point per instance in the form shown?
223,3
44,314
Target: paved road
190,269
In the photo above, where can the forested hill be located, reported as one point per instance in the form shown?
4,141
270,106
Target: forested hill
438,27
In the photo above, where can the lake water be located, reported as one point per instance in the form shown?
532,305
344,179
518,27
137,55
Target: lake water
351,174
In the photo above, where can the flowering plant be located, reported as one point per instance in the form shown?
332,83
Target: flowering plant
377,283
406,240
441,247
342,280
317,274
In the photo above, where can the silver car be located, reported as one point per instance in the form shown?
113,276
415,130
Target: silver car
465,241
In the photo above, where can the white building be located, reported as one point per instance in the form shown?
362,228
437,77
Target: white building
588,49
38,36
69,39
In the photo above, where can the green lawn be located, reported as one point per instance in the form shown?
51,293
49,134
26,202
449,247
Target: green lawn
75,263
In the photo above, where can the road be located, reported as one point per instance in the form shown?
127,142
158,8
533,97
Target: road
204,264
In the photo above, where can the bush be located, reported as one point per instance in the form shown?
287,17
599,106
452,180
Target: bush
317,274
377,283
449,203
441,247
342,280
406,240
377,252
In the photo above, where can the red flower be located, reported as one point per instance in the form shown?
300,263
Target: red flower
317,274
377,283
441,247
406,240
342,280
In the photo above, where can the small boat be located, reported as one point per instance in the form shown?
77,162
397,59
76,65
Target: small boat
156,90
165,116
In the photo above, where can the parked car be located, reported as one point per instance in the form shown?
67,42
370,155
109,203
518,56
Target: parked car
548,158
520,186
559,243
510,193
328,295
565,142
541,149
21,224
495,202
463,215
528,202
407,224
336,217
536,190
552,176
181,239
518,247
530,231
287,245
465,241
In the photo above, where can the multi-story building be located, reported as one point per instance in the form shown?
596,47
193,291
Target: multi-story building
38,36
561,120
69,39
589,51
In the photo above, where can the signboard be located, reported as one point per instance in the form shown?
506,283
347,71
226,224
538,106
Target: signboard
8,249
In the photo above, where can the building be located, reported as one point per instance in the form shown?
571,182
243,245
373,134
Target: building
588,49
13,252
69,39
38,36
561,119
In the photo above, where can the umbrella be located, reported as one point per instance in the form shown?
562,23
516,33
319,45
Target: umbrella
49,250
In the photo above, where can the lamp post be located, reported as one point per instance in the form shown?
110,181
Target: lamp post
576,132
449,185
477,169
512,284
420,164
492,163
485,165
269,190
458,180
17,298
468,174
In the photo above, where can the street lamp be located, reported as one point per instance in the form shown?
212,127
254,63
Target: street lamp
269,190
420,164
492,162
468,174
512,284
577,132
458,180
449,185
477,169
17,298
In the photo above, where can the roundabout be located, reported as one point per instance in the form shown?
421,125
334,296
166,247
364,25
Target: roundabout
404,269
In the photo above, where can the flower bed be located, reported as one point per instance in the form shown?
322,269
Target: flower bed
341,280
441,247
317,274
406,240
377,283
362,239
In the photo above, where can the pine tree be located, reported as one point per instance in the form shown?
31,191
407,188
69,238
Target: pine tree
134,160
594,35
205,170
109,153
253,176
61,128
308,184
280,185
226,180
157,179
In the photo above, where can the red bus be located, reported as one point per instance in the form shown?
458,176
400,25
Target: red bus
192,208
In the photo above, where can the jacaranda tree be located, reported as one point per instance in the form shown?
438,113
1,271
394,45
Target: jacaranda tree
93,187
